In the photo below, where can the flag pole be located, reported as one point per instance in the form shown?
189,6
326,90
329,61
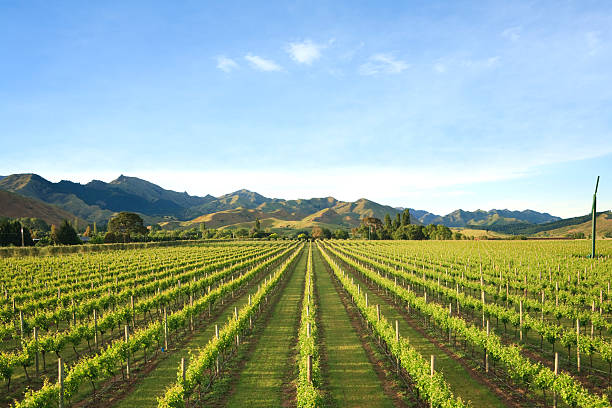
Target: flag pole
594,217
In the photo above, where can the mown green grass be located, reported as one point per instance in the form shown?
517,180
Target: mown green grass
351,377
260,383
154,384
457,377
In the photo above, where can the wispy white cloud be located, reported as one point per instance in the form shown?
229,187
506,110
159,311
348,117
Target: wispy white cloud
512,33
262,64
440,67
305,52
226,64
382,64
350,53
490,62
593,41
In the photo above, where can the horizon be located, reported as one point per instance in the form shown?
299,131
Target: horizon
429,106
307,198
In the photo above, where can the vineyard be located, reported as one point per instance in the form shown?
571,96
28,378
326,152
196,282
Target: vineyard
331,323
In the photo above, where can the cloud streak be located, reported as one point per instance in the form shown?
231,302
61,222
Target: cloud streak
512,33
486,63
262,64
305,52
593,42
226,64
440,67
383,64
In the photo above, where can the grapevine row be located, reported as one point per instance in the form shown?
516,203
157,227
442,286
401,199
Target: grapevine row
431,386
202,368
309,370
56,342
103,365
518,368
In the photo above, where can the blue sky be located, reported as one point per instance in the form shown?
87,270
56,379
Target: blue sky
431,105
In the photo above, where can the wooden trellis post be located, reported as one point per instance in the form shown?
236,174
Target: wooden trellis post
95,317
183,368
165,329
36,355
60,377
521,319
431,372
21,325
127,365
578,344
556,373
486,352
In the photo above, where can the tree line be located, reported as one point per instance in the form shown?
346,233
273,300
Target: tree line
401,228
127,227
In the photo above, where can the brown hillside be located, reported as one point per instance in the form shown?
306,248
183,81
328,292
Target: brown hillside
331,216
16,206
604,225
237,216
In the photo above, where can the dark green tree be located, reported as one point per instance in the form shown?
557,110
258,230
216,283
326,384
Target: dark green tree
301,234
34,224
397,222
431,231
387,222
65,234
10,233
385,233
127,223
327,234
257,224
242,232
443,232
363,231
341,234
409,232
406,217
111,237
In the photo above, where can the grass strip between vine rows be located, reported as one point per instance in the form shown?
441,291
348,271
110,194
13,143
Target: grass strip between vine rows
103,365
308,392
56,342
519,368
432,389
553,333
196,372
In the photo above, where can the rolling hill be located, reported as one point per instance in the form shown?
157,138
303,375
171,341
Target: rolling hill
480,218
291,214
98,201
583,225
17,206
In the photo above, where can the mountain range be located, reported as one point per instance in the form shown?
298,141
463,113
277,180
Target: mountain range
98,201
